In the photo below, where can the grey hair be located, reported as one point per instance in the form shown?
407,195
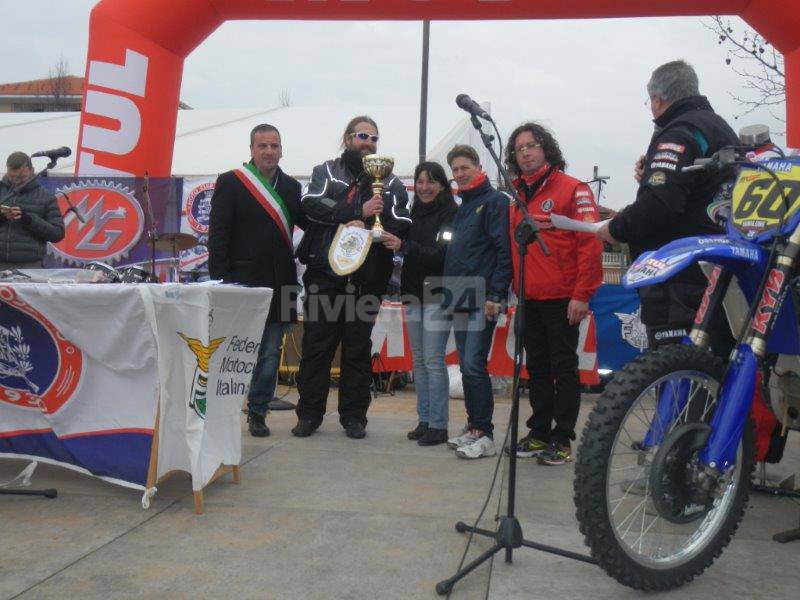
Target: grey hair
673,81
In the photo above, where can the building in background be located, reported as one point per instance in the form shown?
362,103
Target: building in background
61,93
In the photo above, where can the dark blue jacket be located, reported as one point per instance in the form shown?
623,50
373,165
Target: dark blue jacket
480,246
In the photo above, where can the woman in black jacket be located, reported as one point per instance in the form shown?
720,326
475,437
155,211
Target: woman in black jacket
427,324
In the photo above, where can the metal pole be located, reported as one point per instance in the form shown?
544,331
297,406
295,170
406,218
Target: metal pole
423,100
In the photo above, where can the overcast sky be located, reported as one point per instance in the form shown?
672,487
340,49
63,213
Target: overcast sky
583,79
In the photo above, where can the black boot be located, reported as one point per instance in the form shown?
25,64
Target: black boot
418,431
432,437
304,428
257,425
355,430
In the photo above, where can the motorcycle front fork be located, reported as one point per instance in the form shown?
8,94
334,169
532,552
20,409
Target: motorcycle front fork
736,391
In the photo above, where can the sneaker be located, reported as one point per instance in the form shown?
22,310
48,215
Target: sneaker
355,430
257,425
304,428
528,446
465,437
482,446
418,431
555,454
432,437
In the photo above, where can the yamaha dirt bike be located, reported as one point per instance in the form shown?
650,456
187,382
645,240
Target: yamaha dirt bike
665,460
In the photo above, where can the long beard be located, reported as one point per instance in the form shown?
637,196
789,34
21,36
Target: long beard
352,159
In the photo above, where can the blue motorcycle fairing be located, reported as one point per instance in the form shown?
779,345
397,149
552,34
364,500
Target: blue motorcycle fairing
657,266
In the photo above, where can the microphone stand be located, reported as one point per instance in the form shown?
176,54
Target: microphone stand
508,535
71,207
34,177
152,233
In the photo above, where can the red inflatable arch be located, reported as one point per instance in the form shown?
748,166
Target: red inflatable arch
137,47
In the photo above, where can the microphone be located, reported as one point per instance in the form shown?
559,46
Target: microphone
468,104
57,153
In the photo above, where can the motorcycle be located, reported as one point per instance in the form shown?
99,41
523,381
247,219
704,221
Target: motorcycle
665,460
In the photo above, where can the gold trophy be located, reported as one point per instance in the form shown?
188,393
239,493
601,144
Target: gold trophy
379,166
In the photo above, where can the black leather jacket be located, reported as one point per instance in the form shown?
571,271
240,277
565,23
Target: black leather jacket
334,196
671,204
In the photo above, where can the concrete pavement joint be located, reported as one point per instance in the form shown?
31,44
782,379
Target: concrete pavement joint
124,533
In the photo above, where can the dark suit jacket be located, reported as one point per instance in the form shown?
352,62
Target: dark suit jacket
246,246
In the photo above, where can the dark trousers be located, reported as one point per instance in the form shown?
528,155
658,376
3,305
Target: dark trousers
668,312
551,345
336,313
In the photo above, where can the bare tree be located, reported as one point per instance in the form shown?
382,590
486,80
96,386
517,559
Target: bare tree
56,86
757,61
285,97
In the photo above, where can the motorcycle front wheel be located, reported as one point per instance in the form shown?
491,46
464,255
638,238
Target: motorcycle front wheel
649,511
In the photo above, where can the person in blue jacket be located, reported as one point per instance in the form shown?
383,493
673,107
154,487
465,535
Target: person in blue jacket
477,273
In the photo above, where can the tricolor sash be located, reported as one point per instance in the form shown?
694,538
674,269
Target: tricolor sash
269,199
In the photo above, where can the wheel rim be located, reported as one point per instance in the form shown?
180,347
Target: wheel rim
641,532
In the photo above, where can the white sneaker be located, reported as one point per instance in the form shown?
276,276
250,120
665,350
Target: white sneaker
465,437
483,446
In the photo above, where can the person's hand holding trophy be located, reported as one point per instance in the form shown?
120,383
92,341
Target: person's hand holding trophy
378,166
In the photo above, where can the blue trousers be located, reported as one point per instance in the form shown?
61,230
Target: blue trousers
265,372
473,333
428,329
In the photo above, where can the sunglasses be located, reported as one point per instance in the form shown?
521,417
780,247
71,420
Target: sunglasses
365,136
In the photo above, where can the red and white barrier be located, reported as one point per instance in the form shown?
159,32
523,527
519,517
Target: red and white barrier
390,341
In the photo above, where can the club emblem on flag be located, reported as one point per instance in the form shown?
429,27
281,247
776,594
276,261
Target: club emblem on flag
39,369
114,223
632,329
197,395
349,249
198,206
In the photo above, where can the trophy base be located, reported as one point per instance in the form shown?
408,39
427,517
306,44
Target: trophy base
377,233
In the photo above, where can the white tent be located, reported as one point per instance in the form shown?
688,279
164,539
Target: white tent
210,141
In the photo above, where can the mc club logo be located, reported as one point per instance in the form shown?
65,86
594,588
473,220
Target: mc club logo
39,368
198,206
114,223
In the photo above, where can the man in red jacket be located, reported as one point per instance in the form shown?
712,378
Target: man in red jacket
557,288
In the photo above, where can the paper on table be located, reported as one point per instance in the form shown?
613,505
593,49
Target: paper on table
562,222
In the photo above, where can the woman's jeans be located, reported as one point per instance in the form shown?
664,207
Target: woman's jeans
428,329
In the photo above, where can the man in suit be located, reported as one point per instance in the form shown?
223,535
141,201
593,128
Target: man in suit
253,212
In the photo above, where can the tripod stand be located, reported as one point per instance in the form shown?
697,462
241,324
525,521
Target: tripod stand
25,474
508,535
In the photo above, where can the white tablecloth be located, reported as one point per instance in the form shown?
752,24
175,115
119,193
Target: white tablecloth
82,369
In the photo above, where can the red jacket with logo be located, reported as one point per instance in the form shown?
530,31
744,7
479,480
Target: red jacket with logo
574,268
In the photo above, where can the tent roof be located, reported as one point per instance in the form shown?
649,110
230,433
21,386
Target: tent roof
210,141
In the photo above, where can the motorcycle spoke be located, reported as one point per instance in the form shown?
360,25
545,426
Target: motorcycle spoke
657,412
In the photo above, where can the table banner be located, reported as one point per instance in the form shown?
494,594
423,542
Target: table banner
82,369
78,382
208,337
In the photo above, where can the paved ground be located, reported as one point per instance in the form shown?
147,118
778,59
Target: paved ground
328,517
